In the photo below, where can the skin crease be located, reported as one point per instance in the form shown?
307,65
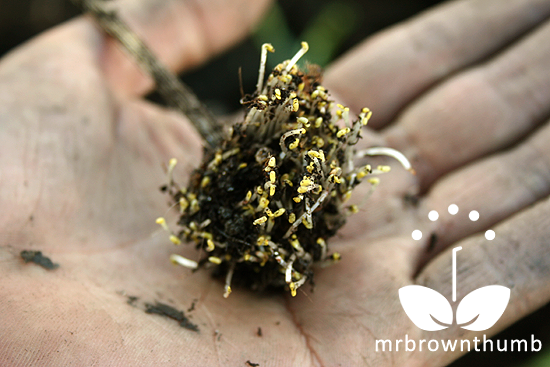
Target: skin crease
463,90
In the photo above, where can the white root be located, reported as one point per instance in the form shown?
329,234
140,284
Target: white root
400,157
183,261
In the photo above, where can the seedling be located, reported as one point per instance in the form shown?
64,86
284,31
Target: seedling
264,202
270,192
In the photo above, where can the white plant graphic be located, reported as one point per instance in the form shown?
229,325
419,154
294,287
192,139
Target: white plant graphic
477,311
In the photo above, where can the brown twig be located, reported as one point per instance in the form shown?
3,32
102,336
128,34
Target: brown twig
174,92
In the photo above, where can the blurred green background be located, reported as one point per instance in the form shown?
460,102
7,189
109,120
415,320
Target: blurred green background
330,27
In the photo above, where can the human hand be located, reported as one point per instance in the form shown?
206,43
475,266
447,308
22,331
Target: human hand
463,91
80,173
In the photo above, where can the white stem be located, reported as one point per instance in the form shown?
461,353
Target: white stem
263,59
171,166
228,278
183,261
288,273
297,57
455,250
390,153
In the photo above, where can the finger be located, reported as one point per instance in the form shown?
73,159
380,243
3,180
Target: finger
518,258
479,111
496,188
182,34
387,71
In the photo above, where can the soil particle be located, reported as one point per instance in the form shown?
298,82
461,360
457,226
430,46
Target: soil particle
170,312
39,259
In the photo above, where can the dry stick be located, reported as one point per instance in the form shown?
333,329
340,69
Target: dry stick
174,92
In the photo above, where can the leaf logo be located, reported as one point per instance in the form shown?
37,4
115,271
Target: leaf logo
430,311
